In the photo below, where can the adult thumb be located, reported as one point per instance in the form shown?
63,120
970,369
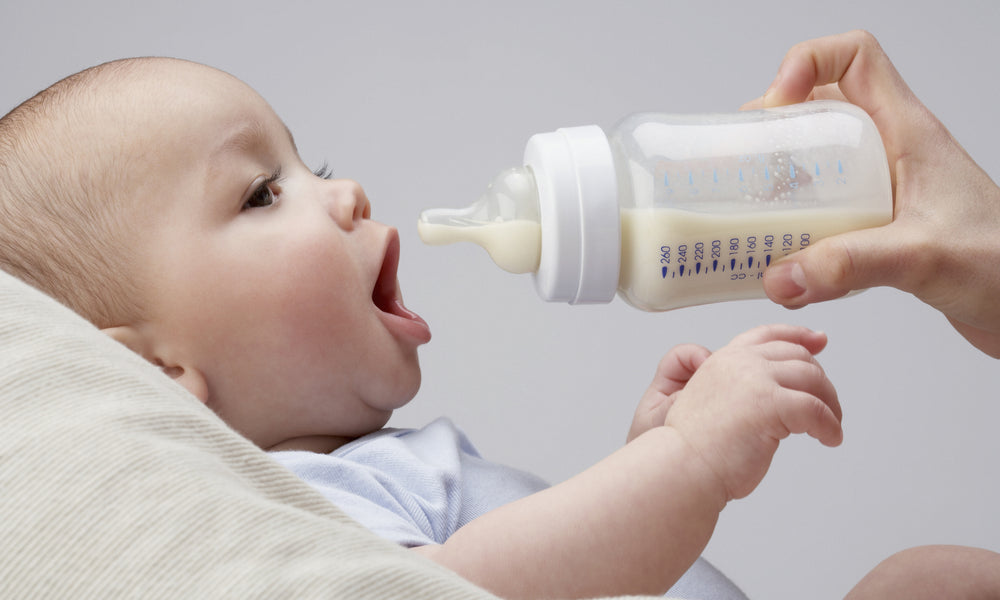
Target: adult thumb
833,267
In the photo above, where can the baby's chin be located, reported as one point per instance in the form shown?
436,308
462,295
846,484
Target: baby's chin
405,391
393,390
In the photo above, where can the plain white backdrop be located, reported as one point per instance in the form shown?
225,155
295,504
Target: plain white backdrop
423,102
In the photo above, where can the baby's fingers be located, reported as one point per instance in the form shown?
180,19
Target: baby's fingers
794,368
672,374
818,416
812,341
676,368
811,379
806,398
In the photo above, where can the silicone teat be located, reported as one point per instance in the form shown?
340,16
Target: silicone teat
504,221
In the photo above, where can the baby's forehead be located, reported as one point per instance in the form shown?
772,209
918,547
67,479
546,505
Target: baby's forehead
168,101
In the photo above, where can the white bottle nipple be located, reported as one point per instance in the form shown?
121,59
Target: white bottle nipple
505,221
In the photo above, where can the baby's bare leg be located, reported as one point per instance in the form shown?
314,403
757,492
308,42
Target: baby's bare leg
933,572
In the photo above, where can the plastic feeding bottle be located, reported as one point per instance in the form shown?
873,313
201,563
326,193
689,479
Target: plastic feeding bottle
676,210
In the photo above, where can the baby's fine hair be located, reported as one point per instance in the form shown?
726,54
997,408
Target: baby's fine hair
62,213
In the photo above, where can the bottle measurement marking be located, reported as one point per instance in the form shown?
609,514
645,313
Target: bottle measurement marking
748,256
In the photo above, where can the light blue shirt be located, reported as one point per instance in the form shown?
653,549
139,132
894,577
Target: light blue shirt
419,486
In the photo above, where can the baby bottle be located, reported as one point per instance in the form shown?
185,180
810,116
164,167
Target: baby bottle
676,210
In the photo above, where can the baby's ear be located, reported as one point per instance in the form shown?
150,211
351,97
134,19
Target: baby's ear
186,375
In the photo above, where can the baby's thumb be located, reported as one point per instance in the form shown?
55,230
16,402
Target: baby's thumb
832,268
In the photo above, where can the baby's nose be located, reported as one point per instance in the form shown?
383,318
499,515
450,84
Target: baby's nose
348,203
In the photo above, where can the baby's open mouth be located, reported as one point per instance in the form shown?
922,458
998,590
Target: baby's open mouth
386,287
387,298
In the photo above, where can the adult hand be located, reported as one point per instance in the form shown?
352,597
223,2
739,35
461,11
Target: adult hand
943,245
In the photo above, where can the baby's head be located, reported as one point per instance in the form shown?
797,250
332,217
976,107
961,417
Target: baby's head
62,211
165,201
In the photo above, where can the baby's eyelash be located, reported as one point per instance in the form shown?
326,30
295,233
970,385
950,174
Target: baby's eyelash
273,178
324,171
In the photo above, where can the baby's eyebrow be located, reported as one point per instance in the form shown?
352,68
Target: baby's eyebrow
251,136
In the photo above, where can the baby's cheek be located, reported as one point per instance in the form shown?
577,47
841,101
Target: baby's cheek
315,277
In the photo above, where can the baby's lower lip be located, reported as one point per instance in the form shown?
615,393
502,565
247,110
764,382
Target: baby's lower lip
404,321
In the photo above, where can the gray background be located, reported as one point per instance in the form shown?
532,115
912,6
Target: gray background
424,102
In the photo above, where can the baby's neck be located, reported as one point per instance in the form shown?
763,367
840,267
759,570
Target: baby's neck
321,444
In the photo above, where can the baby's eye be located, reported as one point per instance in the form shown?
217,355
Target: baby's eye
264,195
261,197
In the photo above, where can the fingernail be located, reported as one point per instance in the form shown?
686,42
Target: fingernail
769,93
770,99
798,276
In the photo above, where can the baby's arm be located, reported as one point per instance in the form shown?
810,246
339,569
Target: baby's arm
634,522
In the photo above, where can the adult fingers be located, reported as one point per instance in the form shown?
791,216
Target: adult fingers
825,92
854,61
837,265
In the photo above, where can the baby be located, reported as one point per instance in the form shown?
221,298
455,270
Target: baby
165,201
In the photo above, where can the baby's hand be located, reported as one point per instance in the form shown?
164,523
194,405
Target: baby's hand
672,374
734,406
